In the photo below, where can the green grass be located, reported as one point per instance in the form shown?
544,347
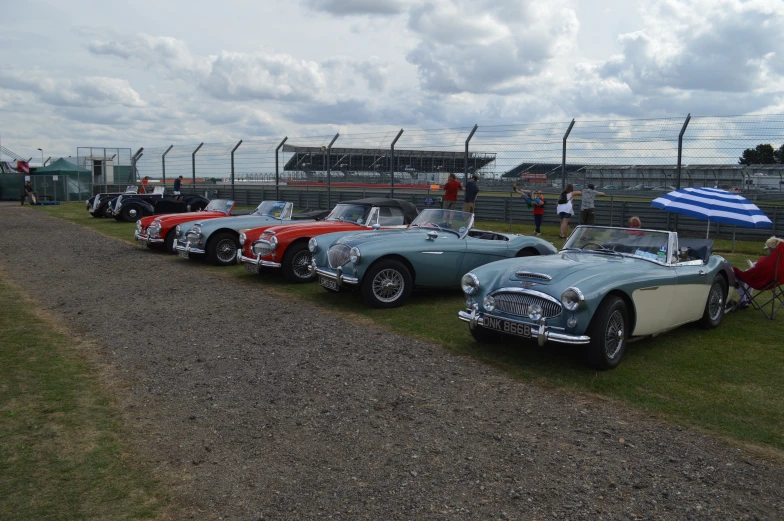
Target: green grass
728,381
62,454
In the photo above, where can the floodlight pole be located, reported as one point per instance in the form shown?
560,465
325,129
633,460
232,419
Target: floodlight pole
392,166
277,172
563,156
329,170
232,168
163,166
465,171
193,165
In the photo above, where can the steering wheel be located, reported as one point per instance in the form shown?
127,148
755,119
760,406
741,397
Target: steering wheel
600,247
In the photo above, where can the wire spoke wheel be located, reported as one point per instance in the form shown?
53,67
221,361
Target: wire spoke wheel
715,302
388,285
614,334
300,264
226,250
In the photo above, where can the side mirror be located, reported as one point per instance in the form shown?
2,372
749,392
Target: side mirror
432,235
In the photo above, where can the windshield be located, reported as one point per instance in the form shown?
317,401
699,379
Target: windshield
220,205
353,213
275,209
647,244
447,220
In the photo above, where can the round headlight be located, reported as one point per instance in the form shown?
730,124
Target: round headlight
572,299
243,238
354,255
313,245
535,311
274,242
177,230
469,283
489,303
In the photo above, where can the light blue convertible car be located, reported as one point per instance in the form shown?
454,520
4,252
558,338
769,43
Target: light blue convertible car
435,251
218,239
604,287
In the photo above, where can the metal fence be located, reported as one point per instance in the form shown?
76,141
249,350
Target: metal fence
616,154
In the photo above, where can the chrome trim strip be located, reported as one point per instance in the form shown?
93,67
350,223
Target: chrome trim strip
433,252
533,275
342,279
542,331
652,288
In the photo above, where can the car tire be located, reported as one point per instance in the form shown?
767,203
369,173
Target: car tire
296,262
484,335
168,242
131,213
714,306
609,332
387,284
222,249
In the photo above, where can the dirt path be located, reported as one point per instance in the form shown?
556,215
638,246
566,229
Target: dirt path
261,408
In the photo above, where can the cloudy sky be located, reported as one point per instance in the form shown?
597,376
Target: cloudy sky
150,73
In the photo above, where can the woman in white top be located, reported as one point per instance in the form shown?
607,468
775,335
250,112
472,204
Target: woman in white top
565,209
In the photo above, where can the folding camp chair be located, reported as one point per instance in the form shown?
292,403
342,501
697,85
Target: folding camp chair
766,275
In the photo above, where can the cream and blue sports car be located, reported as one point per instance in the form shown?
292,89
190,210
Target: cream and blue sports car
435,251
605,286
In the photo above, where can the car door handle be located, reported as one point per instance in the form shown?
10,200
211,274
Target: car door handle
703,272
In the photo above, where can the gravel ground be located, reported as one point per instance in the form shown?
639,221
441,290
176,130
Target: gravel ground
260,408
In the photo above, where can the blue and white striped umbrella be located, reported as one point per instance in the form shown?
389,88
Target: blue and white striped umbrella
715,206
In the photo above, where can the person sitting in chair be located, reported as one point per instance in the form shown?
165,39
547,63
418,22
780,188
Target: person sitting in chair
743,289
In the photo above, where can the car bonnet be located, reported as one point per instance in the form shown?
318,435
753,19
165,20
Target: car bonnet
576,266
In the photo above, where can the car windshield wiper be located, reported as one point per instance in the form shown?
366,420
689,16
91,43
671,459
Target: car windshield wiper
604,250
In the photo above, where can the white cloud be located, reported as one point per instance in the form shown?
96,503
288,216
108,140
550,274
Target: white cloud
82,92
357,7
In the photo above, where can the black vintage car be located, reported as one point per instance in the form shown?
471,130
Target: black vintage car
99,204
132,207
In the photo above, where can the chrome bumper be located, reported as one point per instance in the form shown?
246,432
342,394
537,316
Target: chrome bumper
255,260
542,333
145,239
337,275
187,248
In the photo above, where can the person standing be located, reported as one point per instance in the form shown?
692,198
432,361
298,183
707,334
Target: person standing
565,209
587,205
471,191
177,184
450,192
536,201
31,194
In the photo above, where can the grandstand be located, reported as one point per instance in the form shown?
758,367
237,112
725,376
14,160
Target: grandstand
365,163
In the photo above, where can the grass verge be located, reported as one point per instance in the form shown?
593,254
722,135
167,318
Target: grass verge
728,381
62,454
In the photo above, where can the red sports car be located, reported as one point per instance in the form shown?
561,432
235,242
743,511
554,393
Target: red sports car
286,246
157,231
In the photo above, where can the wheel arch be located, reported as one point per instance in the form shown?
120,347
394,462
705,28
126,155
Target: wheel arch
630,309
399,258
222,230
528,251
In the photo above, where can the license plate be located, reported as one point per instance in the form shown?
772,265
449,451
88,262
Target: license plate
505,326
143,242
252,268
329,283
183,254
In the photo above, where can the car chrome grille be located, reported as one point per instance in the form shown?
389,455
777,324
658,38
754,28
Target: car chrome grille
262,248
338,255
520,303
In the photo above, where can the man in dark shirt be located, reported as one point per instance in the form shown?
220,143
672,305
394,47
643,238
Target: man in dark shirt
177,183
31,194
450,192
471,190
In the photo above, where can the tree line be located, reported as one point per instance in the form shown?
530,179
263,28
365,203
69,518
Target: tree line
762,154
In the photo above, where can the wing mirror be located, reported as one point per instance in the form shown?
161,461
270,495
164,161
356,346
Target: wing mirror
432,235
